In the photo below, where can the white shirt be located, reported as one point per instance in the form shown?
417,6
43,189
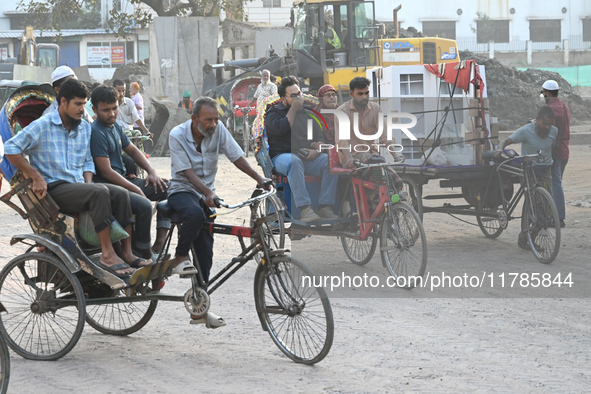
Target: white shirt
264,91
127,114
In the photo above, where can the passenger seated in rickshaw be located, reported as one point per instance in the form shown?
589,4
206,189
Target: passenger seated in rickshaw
295,156
327,99
61,165
349,150
107,141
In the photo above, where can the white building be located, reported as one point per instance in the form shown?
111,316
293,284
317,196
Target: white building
275,12
547,24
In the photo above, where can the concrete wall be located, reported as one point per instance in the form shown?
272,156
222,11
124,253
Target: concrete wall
542,59
180,47
37,74
277,37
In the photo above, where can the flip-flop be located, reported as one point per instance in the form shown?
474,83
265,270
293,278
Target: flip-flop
136,263
113,269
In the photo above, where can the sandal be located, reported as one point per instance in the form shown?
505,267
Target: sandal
136,263
114,268
185,267
210,320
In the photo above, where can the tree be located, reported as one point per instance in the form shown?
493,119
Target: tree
57,13
484,29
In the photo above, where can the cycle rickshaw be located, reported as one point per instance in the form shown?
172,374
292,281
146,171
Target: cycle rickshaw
378,213
489,193
55,286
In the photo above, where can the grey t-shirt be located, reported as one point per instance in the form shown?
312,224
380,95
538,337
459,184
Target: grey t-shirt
531,142
184,155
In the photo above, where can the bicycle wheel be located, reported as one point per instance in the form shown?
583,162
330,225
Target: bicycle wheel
415,194
403,245
120,318
45,305
543,226
360,251
4,366
492,227
298,318
274,231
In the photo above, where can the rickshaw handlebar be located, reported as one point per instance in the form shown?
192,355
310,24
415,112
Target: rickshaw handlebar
220,204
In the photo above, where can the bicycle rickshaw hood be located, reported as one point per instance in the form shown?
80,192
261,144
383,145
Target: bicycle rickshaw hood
45,240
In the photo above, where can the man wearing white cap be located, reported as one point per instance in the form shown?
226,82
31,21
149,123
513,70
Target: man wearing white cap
560,154
59,76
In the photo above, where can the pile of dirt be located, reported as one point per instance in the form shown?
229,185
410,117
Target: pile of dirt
128,72
514,95
411,32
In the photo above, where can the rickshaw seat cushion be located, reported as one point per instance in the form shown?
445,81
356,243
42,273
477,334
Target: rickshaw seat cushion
88,234
166,210
334,163
282,179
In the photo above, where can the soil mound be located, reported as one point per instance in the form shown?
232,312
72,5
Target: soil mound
514,95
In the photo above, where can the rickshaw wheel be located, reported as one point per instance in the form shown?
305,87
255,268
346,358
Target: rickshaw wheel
298,317
403,244
274,231
492,227
45,307
360,251
4,366
544,227
415,194
120,318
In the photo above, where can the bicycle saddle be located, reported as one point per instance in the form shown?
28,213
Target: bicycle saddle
166,210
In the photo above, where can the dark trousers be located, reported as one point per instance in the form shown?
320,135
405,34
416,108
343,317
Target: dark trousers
142,209
105,203
194,213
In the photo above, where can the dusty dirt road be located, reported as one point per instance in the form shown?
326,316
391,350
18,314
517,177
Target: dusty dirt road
386,340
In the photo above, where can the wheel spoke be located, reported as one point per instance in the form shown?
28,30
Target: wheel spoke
39,324
305,333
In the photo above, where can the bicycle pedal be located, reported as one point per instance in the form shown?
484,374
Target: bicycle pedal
189,276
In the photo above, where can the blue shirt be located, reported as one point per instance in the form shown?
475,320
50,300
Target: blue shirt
531,143
108,142
57,154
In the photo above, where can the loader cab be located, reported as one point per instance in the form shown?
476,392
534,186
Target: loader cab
333,36
47,55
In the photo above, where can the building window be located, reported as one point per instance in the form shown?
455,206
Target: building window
117,5
3,51
491,30
271,3
587,29
545,30
411,84
443,29
105,54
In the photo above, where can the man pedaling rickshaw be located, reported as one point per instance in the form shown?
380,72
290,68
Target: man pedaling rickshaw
195,147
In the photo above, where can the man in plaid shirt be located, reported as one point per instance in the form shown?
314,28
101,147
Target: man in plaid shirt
58,145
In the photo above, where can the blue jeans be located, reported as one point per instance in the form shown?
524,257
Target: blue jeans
557,192
294,168
194,213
